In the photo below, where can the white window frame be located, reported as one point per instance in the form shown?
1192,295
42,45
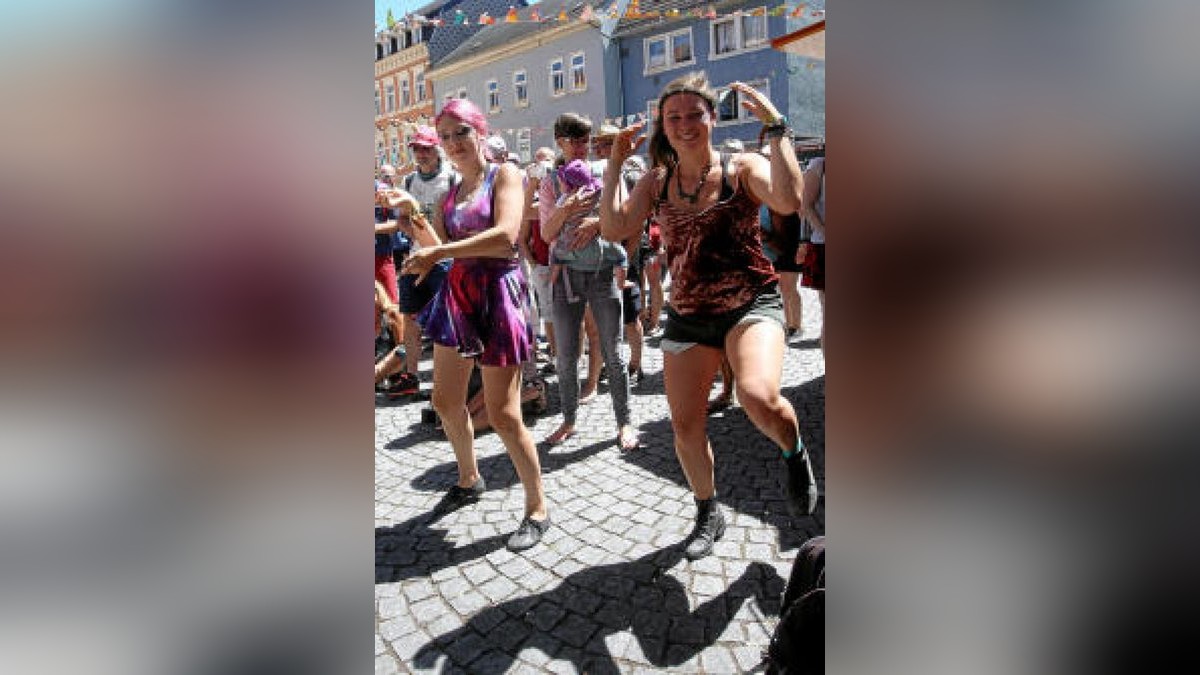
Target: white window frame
419,77
405,93
519,88
389,98
739,38
562,72
395,150
668,40
582,68
462,92
525,144
743,116
492,87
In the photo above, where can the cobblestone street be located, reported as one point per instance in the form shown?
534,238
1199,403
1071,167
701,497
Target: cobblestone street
608,589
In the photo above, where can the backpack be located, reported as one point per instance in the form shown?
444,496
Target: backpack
798,644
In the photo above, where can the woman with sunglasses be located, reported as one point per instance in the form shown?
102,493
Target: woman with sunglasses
481,312
725,300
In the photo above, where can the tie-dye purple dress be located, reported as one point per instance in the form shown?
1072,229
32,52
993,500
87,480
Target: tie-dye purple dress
482,309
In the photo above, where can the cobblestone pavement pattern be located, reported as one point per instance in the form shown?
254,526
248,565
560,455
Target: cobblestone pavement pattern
607,590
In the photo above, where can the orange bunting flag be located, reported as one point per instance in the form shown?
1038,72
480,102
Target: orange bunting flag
512,15
672,13
485,20
562,15
799,10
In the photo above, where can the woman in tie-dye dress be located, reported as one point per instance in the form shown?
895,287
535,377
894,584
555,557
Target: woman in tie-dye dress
481,312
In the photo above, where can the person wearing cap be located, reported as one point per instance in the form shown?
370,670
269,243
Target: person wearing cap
387,236
428,184
725,299
592,282
497,150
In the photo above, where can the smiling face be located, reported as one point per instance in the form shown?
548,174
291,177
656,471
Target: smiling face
460,140
687,122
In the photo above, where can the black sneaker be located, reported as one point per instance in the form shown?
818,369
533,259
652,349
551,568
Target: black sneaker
458,497
404,384
710,527
528,533
801,484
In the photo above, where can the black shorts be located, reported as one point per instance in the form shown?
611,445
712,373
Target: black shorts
413,296
631,302
710,330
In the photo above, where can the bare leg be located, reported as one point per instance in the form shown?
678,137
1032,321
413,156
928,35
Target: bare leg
688,377
451,373
792,307
595,358
502,392
756,354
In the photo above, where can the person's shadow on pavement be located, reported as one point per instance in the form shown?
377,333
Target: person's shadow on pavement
497,469
572,620
415,549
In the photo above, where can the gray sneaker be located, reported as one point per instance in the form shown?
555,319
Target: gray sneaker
458,497
528,533
710,527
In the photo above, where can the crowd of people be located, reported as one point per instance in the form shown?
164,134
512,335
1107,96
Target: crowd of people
509,271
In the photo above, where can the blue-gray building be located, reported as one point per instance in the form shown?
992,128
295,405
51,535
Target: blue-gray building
523,75
647,53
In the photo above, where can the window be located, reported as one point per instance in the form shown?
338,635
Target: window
378,51
420,85
669,50
578,76
396,151
557,82
738,33
377,106
390,98
525,144
493,96
405,99
395,45
520,89
729,105
462,93
754,30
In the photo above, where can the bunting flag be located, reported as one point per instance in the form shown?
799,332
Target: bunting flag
590,14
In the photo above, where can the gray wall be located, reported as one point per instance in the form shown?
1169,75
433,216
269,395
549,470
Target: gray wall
543,109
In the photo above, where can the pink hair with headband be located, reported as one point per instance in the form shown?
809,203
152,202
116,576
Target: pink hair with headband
466,112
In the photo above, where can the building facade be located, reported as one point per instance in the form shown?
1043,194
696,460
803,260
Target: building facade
403,97
524,75
733,46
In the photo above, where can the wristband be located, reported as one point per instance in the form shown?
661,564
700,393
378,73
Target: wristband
780,121
778,131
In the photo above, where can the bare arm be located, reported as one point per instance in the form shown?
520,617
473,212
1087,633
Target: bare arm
812,192
777,182
622,218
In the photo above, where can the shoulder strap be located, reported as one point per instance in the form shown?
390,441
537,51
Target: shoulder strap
408,181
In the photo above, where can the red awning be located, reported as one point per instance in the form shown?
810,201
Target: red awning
808,41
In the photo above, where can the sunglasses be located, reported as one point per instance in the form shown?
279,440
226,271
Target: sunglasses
462,133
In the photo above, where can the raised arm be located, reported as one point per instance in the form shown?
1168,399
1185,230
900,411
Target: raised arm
621,218
777,182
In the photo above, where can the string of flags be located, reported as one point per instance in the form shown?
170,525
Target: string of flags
589,13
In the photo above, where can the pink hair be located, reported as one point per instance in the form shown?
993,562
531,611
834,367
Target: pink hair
466,112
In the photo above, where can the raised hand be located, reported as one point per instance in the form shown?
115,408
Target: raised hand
758,104
627,141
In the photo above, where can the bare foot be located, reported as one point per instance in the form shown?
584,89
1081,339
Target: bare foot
627,439
561,434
